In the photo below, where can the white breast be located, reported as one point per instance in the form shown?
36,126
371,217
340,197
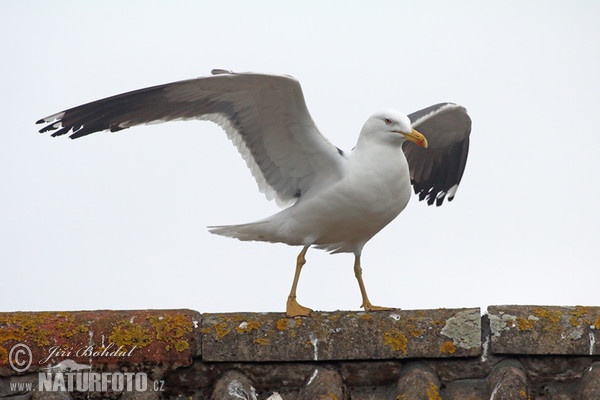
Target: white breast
343,217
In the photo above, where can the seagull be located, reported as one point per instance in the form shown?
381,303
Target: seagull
332,199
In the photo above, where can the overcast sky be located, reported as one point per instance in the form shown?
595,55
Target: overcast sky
118,221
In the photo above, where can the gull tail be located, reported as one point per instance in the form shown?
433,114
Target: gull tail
252,231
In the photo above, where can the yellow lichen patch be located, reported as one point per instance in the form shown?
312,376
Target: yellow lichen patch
181,345
448,348
549,319
336,317
580,315
19,326
78,329
3,355
171,328
414,331
249,326
129,335
438,323
524,324
282,324
328,396
553,316
261,341
524,394
597,322
366,316
222,329
289,323
396,340
432,392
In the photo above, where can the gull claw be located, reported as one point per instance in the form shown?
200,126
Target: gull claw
294,309
370,307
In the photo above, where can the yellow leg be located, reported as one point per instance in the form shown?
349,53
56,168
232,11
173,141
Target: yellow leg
366,304
293,309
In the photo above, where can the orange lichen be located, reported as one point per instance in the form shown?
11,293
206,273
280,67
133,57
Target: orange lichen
448,348
3,355
290,324
366,316
553,316
76,330
549,319
524,394
396,340
580,315
282,324
19,326
129,335
414,331
222,329
261,341
181,345
524,324
249,326
171,329
432,392
329,396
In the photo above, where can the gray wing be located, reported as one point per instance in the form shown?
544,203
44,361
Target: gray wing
265,116
436,171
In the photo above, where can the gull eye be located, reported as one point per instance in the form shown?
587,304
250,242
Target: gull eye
387,121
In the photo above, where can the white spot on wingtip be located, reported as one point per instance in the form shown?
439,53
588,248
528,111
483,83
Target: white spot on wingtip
452,191
54,117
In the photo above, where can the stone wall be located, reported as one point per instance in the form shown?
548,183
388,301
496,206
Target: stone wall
511,352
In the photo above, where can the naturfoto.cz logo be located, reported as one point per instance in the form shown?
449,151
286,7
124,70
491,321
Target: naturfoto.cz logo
70,376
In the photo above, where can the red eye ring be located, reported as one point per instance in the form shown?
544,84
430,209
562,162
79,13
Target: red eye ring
387,121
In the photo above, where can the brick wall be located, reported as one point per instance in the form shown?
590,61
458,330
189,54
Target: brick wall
511,352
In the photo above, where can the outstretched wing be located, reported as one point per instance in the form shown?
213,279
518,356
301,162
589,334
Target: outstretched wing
265,116
436,171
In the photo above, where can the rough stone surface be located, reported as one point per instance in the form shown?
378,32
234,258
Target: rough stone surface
590,383
425,354
323,383
233,385
545,330
508,381
418,383
341,335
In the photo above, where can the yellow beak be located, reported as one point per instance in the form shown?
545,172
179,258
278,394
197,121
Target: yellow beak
416,137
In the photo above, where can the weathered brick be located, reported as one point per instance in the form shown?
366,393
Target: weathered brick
545,330
323,383
418,382
341,335
99,337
